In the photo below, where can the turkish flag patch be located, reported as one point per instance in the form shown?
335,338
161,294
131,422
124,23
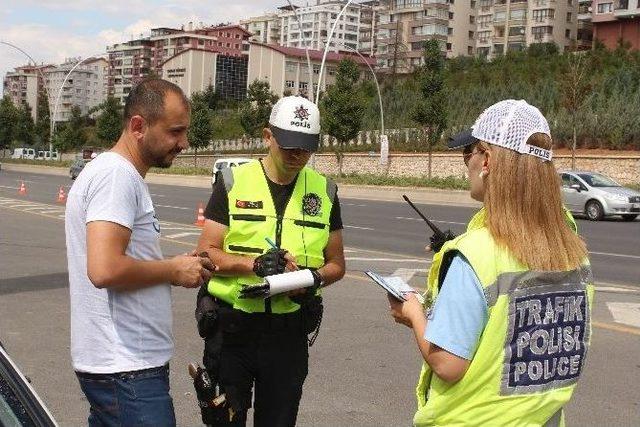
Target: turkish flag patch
246,204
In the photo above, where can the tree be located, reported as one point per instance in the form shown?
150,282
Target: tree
43,120
109,123
343,108
575,86
8,116
431,113
70,135
256,109
200,130
23,131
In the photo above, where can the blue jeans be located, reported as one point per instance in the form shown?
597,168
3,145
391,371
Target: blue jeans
137,398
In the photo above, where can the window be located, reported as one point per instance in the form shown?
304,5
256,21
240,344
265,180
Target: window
291,67
542,14
471,34
605,8
290,84
568,16
472,19
518,14
303,85
567,33
516,31
499,16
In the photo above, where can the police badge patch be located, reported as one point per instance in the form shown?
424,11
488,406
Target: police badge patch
311,204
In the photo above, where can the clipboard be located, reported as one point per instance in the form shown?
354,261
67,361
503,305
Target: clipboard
394,285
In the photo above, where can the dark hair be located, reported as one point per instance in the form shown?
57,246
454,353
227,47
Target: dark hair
147,99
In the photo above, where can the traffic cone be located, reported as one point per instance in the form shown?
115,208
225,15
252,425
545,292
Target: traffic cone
61,196
23,189
200,216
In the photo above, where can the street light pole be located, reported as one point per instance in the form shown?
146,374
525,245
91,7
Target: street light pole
326,48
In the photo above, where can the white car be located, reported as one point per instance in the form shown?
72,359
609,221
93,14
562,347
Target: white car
226,163
597,196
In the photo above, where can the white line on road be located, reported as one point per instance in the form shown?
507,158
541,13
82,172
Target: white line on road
615,255
157,195
358,228
616,290
386,259
174,207
178,235
625,312
10,188
353,204
433,220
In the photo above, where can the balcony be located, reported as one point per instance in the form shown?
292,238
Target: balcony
622,10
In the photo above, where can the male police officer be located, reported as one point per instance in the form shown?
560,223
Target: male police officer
264,341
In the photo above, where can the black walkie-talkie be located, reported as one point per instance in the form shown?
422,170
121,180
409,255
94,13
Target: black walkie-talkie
439,237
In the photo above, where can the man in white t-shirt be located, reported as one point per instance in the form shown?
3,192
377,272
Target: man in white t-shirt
119,282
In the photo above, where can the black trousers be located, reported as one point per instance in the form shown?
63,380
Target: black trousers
268,353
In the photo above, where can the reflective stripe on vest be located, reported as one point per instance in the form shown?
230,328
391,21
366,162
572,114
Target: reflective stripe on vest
303,229
532,349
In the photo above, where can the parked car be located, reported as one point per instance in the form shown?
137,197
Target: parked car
47,155
23,153
19,403
77,166
598,196
226,163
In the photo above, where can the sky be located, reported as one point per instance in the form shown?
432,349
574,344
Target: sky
52,30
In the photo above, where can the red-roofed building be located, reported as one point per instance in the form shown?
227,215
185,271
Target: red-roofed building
286,70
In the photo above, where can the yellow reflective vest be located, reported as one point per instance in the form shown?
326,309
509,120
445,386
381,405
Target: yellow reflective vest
532,349
303,229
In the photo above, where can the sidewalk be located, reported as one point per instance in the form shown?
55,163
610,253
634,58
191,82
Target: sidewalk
346,191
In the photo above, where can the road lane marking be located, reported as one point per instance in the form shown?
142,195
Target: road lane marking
616,290
616,328
157,195
627,313
173,207
387,259
615,255
433,220
179,235
358,228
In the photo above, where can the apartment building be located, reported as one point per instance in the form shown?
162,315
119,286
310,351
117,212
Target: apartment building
370,20
131,61
264,29
84,88
287,72
617,21
24,84
406,24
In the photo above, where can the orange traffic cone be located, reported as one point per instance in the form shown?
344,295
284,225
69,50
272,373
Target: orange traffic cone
61,196
200,216
23,189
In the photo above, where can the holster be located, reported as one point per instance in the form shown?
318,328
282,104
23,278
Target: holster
207,316
312,309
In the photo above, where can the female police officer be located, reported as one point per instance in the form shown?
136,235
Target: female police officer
505,341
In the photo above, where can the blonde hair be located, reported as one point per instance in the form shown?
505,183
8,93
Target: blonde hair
525,211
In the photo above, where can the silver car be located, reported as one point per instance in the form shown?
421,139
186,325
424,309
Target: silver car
597,196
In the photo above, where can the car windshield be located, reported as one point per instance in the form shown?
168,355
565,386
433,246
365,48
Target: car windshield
597,180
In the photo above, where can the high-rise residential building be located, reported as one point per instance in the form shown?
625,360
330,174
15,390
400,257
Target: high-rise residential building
369,21
24,84
85,87
584,32
264,29
406,24
515,24
132,61
616,21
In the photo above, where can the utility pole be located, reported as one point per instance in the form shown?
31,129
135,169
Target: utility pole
394,69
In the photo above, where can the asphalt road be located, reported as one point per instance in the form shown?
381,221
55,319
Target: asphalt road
362,368
387,226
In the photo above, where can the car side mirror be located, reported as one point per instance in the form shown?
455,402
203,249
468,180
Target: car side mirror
576,187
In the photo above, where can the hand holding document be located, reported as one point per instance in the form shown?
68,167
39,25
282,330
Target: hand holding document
279,283
395,286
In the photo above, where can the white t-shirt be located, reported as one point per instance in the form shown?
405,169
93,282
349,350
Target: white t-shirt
115,331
